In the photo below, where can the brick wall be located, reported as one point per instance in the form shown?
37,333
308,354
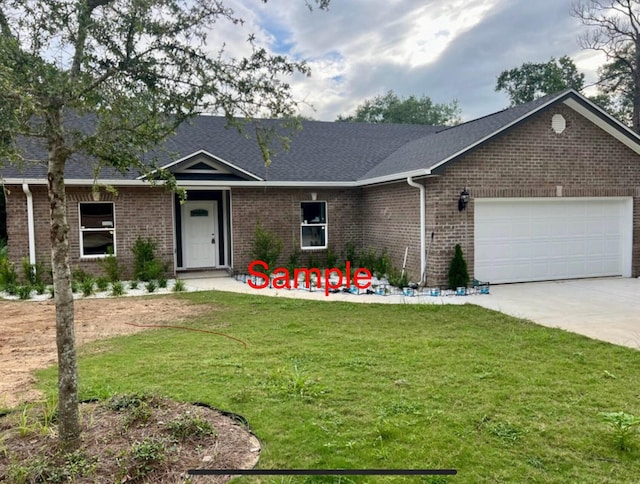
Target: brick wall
529,161
144,212
279,212
391,220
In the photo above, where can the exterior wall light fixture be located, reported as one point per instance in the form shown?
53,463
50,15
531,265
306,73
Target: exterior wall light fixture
463,200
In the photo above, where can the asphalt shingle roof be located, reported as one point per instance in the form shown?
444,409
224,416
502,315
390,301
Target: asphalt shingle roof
320,152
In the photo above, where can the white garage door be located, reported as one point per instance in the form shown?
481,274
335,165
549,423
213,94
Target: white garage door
539,239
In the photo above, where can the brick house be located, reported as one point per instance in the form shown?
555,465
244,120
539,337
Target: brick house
553,190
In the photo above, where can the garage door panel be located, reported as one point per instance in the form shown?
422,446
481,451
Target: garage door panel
543,239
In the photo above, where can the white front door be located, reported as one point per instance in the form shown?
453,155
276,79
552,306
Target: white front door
200,234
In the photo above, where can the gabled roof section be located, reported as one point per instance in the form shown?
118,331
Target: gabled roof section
206,151
431,153
202,165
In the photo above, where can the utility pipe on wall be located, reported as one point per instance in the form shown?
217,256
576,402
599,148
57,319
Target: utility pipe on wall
423,242
30,224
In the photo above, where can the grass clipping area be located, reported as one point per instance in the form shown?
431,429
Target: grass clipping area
329,385
126,439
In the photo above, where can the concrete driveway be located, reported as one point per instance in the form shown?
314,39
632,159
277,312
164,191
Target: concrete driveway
607,309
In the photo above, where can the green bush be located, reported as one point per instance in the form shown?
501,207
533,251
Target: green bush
332,259
397,278
87,286
145,265
368,260
383,265
178,285
458,273
111,267
117,288
266,246
8,274
294,260
102,283
24,292
350,253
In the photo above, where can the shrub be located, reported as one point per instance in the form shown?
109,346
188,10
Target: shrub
294,260
102,283
458,273
332,259
397,278
178,285
383,265
133,284
368,260
24,292
151,286
162,282
81,276
87,286
111,267
8,274
145,265
350,253
117,288
266,246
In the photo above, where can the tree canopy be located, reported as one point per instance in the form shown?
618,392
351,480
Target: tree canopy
614,29
534,80
390,108
136,69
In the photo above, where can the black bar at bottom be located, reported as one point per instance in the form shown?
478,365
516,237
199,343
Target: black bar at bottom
322,472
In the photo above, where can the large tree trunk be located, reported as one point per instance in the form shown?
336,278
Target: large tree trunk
68,419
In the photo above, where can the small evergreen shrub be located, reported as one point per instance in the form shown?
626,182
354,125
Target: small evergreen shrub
332,259
458,273
111,267
102,283
294,260
8,274
266,246
145,265
162,282
151,286
383,265
24,292
133,284
350,253
117,288
87,286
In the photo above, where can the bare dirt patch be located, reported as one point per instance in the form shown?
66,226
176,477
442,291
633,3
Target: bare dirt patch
145,440
28,336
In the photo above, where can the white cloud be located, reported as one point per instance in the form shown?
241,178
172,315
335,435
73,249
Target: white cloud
446,49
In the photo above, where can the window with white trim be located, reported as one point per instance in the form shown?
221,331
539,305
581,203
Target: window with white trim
313,225
97,229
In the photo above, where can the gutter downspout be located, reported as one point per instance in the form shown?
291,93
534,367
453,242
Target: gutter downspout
423,242
30,224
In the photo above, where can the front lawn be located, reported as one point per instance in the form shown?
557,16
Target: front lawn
339,385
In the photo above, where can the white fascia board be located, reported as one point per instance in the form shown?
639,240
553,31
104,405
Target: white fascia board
210,155
619,131
79,182
394,178
267,184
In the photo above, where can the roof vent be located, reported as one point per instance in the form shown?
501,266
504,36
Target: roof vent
558,123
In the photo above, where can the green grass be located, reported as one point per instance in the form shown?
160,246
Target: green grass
338,385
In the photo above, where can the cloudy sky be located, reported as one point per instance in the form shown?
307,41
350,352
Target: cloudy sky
446,49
